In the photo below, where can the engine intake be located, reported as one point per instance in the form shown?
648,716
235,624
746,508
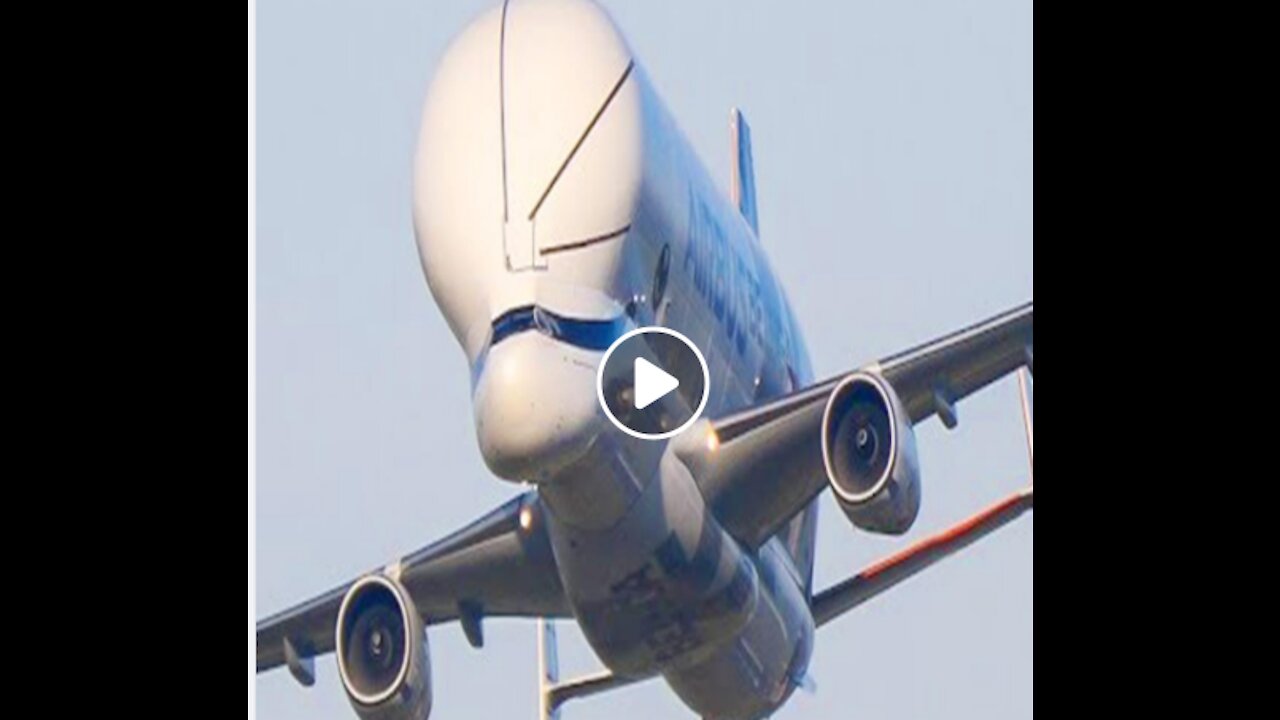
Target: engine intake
382,651
869,451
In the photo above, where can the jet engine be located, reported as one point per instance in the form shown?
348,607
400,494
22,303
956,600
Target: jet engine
869,450
382,651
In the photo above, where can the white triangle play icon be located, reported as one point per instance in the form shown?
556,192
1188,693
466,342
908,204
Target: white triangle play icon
651,383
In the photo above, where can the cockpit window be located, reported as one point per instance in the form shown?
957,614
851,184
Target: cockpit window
587,334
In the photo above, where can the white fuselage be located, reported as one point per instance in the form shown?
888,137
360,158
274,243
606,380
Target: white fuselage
550,175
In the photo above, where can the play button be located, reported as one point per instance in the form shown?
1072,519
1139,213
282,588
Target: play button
653,383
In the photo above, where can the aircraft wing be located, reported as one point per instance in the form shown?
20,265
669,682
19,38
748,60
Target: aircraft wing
499,565
759,467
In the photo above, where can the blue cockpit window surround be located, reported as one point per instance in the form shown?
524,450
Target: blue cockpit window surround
595,335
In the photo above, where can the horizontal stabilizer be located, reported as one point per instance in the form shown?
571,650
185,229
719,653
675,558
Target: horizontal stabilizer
832,603
585,686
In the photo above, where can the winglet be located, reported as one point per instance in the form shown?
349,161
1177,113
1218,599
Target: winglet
742,189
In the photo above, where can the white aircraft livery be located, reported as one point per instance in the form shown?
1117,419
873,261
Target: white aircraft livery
666,500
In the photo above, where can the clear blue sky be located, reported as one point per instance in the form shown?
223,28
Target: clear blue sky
893,146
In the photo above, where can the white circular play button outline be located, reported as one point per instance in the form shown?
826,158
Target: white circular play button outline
706,383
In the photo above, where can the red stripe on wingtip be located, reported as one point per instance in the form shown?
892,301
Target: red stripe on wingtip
949,535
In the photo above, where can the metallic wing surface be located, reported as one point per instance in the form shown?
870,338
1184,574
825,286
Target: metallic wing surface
500,565
761,466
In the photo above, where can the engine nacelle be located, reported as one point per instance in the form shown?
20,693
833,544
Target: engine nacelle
869,450
382,651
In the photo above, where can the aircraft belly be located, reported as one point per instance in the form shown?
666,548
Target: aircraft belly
661,588
666,590
754,675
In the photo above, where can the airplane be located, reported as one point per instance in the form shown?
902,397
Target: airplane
558,207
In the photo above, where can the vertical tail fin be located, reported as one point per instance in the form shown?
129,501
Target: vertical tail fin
743,183
548,670
552,693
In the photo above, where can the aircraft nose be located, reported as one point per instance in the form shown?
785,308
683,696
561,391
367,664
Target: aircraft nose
535,407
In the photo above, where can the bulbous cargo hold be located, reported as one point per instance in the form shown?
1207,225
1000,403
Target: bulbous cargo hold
869,450
550,182
529,167
382,651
